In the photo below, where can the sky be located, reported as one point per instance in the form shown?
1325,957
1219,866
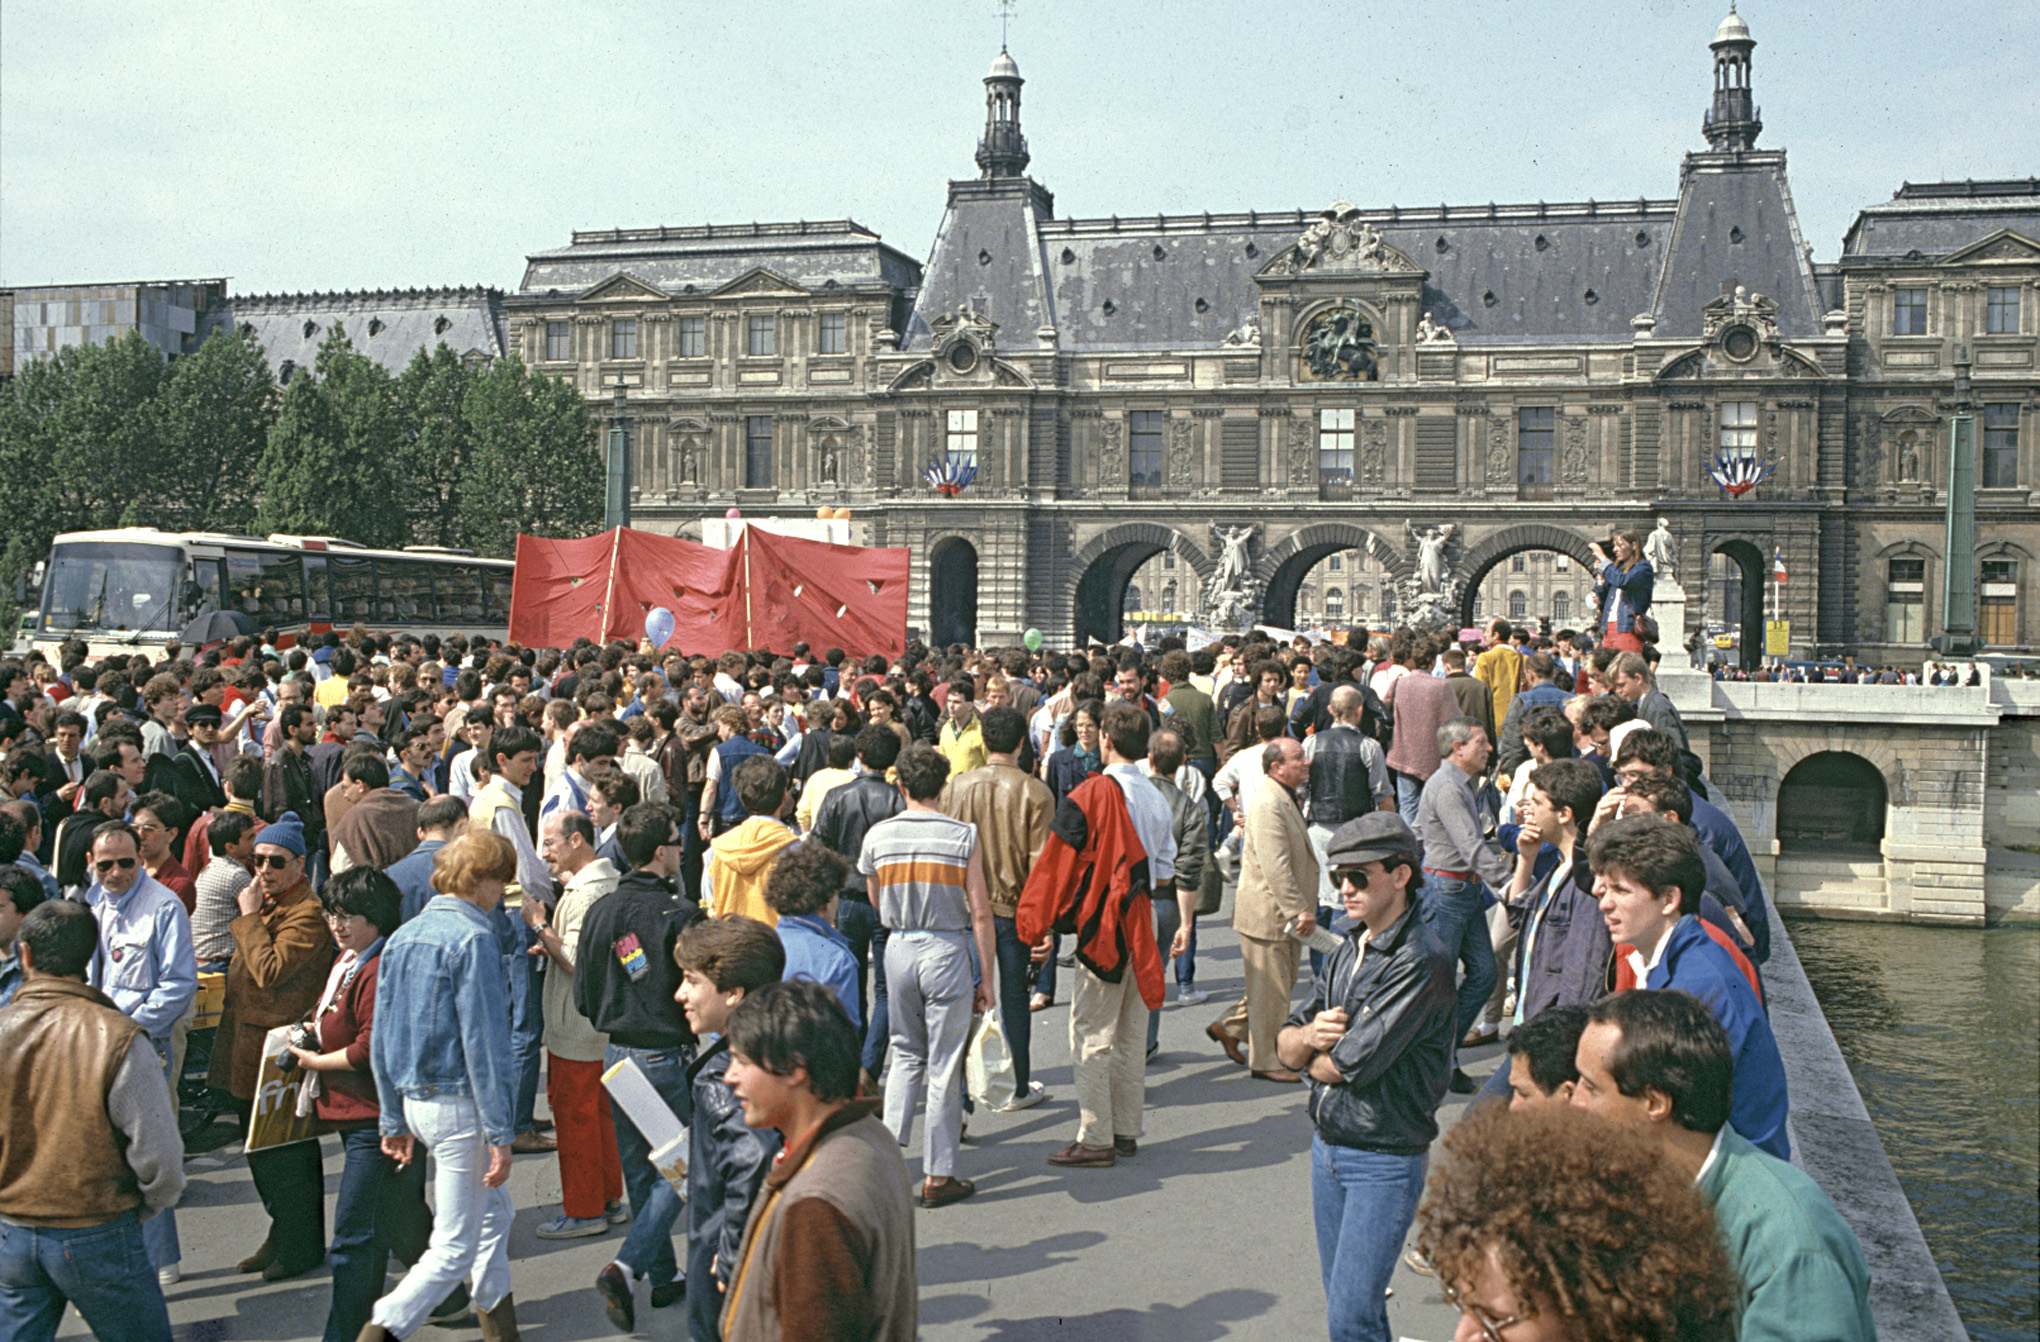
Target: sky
351,145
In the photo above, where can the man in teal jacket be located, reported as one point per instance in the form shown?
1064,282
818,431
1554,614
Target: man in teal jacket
1660,1061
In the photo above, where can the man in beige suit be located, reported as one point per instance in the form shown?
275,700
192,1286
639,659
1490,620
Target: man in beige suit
1278,886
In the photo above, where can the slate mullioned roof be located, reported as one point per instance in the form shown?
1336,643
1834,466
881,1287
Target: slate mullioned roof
389,325
701,259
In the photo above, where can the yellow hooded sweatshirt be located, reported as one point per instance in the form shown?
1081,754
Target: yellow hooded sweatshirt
739,862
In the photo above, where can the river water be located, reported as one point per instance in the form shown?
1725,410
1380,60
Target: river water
1941,1029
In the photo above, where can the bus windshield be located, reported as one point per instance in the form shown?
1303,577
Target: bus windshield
114,585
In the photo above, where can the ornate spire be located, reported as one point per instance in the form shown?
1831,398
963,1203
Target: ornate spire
1732,122
1003,150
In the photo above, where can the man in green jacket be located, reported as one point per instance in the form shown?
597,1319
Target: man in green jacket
1658,1060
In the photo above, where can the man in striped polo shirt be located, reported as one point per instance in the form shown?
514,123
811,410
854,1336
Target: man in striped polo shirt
926,876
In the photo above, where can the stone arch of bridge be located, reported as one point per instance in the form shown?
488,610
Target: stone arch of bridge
1285,564
1103,568
1482,557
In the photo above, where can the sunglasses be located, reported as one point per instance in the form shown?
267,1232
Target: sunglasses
105,865
273,861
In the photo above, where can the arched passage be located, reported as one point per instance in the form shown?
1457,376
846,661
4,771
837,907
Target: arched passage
1831,802
1287,562
1737,599
952,592
1105,566
1482,558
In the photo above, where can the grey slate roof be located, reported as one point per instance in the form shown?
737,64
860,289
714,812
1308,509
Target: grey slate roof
389,326
1937,218
685,260
1736,226
1506,273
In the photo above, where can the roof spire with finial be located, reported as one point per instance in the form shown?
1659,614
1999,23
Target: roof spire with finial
1003,150
1732,123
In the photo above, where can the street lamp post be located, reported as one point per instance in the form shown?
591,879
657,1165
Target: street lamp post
1958,637
617,466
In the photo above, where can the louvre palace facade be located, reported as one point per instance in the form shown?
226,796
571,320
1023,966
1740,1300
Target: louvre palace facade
1350,378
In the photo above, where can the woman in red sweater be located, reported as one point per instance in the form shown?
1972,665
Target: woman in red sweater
381,1209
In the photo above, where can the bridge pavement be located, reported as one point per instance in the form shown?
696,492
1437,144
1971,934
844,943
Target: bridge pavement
1206,1234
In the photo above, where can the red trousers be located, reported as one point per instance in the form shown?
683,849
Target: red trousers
591,1176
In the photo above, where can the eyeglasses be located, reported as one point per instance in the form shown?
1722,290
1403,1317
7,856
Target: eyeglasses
1628,776
105,865
339,919
273,861
1490,1326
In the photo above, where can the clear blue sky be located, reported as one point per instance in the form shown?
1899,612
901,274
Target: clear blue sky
368,145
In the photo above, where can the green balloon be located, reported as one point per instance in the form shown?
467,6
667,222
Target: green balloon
1032,638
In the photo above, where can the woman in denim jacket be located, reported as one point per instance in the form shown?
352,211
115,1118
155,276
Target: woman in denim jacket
443,1068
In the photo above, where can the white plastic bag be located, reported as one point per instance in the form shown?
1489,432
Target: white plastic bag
988,1063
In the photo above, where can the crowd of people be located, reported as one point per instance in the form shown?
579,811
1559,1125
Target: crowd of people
1933,673
774,892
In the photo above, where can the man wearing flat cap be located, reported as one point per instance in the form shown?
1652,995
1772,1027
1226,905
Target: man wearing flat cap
1375,1041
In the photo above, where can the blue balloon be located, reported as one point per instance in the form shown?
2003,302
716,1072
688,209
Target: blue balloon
658,626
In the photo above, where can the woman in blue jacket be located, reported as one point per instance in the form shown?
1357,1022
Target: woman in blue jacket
1622,590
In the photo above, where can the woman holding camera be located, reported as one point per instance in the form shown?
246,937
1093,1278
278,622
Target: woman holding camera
381,1208
1622,590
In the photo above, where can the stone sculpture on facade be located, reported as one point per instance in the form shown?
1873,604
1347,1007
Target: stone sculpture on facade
1247,333
1430,597
1338,239
1339,346
1662,552
1231,595
1431,333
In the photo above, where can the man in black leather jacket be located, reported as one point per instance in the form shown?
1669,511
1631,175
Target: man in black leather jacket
846,814
1375,1040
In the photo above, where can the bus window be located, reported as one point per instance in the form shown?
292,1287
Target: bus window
406,592
319,605
112,585
282,594
209,574
496,585
244,583
460,594
353,582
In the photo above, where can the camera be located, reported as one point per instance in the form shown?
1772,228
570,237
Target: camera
303,1035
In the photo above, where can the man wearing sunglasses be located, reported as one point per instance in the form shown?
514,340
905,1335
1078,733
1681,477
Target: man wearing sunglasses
145,964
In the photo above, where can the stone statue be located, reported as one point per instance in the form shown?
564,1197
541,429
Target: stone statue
1662,551
1230,595
1908,458
1340,345
1431,569
1247,333
1430,333
826,470
1232,564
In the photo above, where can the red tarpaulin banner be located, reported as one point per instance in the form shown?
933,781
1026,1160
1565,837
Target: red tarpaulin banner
767,591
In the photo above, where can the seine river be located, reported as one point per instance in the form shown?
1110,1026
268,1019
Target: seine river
1941,1028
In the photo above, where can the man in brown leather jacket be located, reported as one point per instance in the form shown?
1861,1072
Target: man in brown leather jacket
76,1065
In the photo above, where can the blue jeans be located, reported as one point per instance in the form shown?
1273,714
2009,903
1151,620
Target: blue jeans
1455,910
527,1016
380,1211
648,1249
1409,790
1362,1203
1013,1013
104,1270
1168,917
858,922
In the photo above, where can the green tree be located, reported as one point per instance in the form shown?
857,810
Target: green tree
336,464
215,412
106,462
537,464
432,399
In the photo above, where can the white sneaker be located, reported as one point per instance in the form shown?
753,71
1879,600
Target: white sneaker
1191,996
1026,1099
166,1277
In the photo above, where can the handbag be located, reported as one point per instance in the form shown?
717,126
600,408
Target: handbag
1210,888
988,1063
1645,629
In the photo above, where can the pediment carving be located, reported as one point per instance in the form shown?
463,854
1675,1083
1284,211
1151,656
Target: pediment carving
622,287
2003,245
759,280
1339,242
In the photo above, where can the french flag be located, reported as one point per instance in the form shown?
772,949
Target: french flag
1777,566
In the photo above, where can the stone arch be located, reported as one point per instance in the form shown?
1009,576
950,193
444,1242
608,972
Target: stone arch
952,590
1748,557
1102,568
1283,565
1833,799
1475,564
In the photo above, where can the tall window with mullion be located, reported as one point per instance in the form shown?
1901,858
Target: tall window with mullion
1144,449
623,338
2000,461
761,338
832,334
2001,310
961,440
758,452
1997,601
1536,472
1739,429
1908,311
1905,600
1335,447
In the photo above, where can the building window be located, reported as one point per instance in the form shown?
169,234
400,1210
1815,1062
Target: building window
2000,445
1335,604
1519,605
1909,312
623,338
1739,429
693,337
1144,448
2001,310
1563,564
1169,560
759,337
1131,605
1905,600
1997,601
1335,447
559,341
1517,563
1534,433
1169,599
758,452
962,440
833,335
1336,563
1561,607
